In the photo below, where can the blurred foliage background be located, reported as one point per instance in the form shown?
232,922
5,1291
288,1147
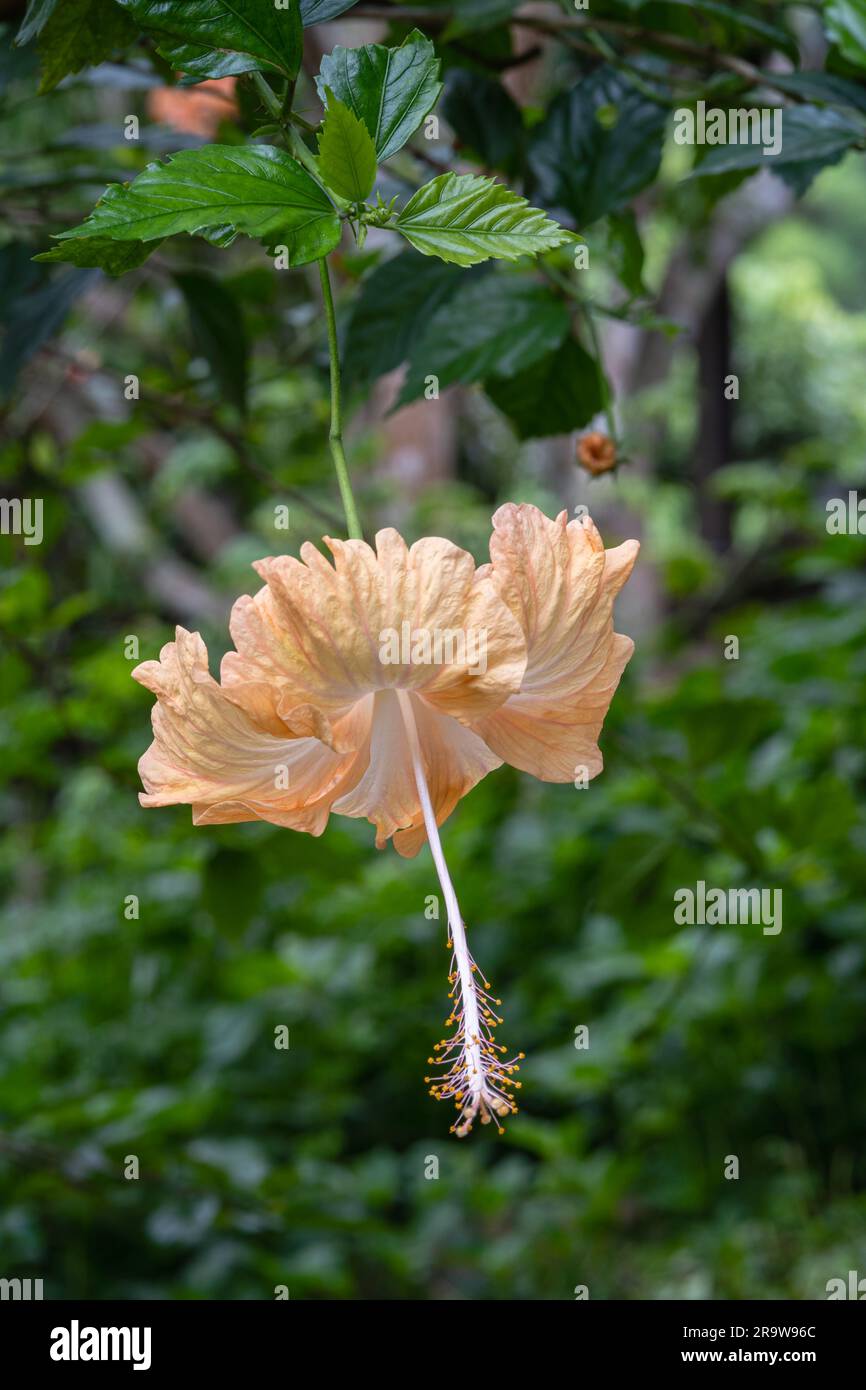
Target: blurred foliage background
154,1035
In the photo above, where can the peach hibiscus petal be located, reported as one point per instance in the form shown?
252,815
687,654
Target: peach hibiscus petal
560,583
212,754
455,759
320,635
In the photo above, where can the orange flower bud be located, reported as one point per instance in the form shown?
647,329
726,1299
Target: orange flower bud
596,452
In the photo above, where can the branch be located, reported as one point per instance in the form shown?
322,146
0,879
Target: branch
567,27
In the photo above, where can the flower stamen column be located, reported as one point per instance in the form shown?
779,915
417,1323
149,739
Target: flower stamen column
474,1075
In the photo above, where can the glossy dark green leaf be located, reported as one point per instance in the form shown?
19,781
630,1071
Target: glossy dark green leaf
201,36
476,16
558,393
625,250
737,19
465,219
218,331
390,89
823,88
256,189
816,135
846,25
713,24
486,121
79,33
394,303
35,305
498,324
599,145
101,253
206,64
320,11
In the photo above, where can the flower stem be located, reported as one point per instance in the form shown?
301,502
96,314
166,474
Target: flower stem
603,384
338,453
282,113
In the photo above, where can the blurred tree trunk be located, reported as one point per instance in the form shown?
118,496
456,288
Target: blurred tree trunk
714,441
694,294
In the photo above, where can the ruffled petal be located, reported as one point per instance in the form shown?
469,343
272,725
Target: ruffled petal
211,753
319,636
454,757
559,583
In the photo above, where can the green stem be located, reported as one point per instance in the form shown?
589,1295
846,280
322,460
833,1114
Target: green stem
287,119
302,154
268,95
587,311
603,384
338,453
282,112
311,164
289,99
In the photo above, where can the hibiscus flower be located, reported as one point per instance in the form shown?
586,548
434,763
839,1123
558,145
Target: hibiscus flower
385,685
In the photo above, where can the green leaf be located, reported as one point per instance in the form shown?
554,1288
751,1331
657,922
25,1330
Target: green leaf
599,145
394,299
390,89
465,219
474,16
625,249
114,257
218,331
497,325
320,11
78,34
559,393
485,119
734,19
35,305
810,134
711,24
846,25
821,88
204,64
221,190
347,155
205,37
36,17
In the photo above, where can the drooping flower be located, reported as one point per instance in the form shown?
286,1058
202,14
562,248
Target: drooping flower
385,686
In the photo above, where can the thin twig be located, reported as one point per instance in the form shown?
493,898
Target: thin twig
566,27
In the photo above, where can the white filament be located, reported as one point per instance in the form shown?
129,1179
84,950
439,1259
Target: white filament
471,1021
